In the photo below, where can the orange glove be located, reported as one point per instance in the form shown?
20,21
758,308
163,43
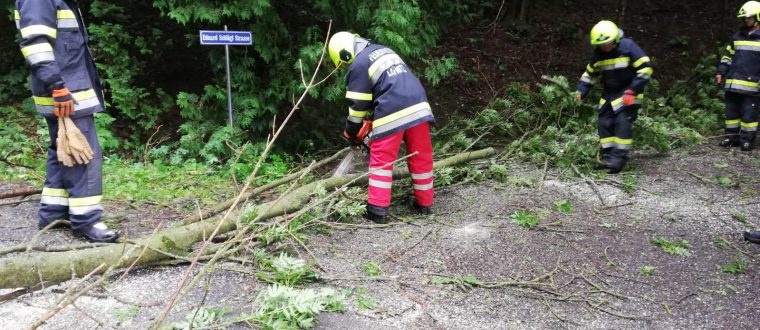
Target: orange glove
63,102
630,97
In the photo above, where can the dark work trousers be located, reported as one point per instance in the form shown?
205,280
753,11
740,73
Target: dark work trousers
73,193
741,117
616,134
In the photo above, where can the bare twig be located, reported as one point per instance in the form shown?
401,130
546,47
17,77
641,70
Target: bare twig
70,299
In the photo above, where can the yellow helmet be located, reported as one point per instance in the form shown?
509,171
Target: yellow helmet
341,47
604,32
750,9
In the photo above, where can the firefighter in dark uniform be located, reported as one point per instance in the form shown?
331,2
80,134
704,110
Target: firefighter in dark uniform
624,70
64,82
739,70
382,88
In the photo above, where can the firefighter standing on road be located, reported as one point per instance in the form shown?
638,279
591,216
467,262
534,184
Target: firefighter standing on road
741,69
624,70
65,83
382,88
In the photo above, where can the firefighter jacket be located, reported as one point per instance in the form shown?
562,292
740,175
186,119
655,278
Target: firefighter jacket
383,88
54,43
625,67
741,64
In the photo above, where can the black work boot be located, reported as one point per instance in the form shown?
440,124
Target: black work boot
752,236
424,210
376,214
747,146
600,166
728,143
98,233
61,224
615,167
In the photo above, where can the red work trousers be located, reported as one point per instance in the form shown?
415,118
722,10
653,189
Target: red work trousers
384,151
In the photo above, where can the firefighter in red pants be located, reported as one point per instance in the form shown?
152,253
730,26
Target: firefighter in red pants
382,88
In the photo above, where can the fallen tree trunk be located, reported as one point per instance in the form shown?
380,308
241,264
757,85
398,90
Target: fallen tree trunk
218,208
20,192
30,269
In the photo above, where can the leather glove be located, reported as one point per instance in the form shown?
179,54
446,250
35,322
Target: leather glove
79,148
629,98
351,131
63,102
62,145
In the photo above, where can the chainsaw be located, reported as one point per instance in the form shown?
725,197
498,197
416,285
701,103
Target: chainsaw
359,146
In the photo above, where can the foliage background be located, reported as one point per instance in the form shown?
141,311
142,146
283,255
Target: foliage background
167,100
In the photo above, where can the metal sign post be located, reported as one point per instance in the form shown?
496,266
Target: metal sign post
227,38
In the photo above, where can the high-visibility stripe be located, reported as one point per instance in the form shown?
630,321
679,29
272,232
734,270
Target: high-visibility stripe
36,48
68,23
359,96
380,184
741,85
55,192
647,71
641,61
616,142
618,103
749,127
426,186
82,210
399,114
54,200
40,58
400,118
732,123
608,142
589,68
85,99
65,13
730,50
586,78
380,172
726,60
422,176
35,30
746,45
86,201
613,63
356,113
355,120
16,15
385,62
623,141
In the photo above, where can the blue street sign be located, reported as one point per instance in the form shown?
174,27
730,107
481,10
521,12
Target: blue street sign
231,38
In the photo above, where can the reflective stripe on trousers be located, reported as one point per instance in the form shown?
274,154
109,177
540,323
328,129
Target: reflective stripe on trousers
73,193
384,151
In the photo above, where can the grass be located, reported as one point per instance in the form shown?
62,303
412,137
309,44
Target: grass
159,183
525,218
673,248
646,270
737,266
371,268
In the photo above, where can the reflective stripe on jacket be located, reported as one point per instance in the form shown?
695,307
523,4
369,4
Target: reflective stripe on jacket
625,67
54,42
740,65
382,87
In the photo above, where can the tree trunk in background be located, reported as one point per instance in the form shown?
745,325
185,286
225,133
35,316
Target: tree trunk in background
523,10
622,6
